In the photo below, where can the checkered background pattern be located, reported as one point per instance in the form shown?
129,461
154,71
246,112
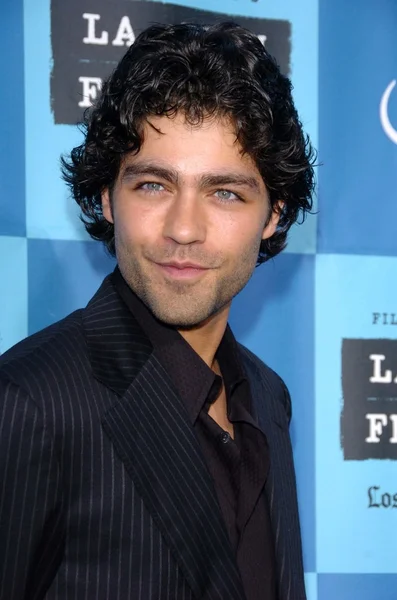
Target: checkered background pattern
340,266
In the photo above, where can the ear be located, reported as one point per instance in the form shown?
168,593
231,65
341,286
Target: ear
106,205
272,221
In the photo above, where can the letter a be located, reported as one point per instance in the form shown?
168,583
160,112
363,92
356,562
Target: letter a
125,34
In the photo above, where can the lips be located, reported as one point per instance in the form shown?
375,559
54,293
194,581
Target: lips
187,265
186,270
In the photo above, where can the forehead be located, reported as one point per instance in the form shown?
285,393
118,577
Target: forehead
212,142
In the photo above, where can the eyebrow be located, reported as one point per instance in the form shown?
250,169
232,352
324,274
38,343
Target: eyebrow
135,170
223,179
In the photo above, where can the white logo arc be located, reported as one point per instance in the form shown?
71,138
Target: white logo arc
383,112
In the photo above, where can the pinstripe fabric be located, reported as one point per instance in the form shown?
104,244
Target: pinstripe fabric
104,493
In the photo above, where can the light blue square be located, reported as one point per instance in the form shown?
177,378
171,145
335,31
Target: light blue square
311,586
14,295
50,212
351,536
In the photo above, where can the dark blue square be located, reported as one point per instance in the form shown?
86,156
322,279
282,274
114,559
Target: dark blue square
357,179
62,276
274,317
364,586
12,111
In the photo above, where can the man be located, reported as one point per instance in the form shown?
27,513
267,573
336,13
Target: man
144,453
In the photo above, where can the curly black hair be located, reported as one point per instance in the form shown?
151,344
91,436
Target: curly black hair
220,70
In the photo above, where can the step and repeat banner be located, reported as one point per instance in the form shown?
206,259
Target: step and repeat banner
323,314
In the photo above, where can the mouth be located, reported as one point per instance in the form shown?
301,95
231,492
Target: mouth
184,271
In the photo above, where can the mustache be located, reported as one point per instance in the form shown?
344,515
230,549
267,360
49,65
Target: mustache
196,256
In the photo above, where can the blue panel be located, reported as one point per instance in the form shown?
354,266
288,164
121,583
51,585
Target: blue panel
273,316
50,213
311,586
14,298
12,111
352,535
62,277
358,61
357,587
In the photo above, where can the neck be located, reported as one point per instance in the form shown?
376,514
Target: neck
206,337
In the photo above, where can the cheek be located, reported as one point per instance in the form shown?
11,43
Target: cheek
135,224
239,233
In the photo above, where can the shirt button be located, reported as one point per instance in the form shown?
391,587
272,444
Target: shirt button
225,437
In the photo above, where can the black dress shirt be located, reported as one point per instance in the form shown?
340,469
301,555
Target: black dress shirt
238,466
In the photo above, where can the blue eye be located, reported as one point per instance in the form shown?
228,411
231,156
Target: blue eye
227,196
151,187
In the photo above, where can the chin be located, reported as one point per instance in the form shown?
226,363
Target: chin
184,319
177,321
178,318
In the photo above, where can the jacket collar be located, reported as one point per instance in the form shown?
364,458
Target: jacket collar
117,346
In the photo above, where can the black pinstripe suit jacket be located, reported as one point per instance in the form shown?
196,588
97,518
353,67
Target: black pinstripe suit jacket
104,493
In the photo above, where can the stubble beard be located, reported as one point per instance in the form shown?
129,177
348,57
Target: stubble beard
182,304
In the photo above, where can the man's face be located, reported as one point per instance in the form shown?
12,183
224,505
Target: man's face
189,213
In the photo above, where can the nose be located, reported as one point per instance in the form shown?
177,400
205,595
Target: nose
185,220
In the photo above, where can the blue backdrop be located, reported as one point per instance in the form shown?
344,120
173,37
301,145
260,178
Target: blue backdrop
333,289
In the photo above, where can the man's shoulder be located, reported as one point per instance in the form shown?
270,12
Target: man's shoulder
35,356
258,370
254,363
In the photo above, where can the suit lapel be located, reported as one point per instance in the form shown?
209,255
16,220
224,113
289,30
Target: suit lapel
149,427
280,487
